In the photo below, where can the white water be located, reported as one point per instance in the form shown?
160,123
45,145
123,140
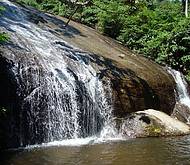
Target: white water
182,93
77,142
47,76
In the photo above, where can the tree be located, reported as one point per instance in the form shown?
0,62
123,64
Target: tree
77,5
185,7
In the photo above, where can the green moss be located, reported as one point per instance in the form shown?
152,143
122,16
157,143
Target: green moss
188,76
4,37
153,130
2,8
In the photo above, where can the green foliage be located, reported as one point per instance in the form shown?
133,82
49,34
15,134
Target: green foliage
111,17
2,8
3,37
32,3
161,34
89,15
57,7
54,6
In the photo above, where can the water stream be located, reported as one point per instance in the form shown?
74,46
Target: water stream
182,95
63,97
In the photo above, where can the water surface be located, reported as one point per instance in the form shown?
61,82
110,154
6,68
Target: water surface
144,151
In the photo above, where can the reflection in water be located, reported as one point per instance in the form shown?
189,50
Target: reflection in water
145,151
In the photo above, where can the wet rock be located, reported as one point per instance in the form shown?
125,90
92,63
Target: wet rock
188,86
181,112
36,19
150,123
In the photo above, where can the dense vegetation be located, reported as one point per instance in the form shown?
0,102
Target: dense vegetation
157,29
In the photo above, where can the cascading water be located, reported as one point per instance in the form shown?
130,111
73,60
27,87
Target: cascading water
181,91
63,97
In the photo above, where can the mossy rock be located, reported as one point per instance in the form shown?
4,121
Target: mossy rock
151,123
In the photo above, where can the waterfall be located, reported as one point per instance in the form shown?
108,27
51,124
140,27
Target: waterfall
62,95
181,91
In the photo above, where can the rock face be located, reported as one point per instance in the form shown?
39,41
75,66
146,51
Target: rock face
75,68
181,112
150,123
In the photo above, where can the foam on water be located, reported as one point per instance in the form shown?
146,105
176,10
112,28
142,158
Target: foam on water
76,142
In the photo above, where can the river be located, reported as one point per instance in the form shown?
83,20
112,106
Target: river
143,151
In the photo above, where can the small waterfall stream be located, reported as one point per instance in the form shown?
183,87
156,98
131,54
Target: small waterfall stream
63,97
181,91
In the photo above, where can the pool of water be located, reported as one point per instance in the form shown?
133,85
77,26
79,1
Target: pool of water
143,151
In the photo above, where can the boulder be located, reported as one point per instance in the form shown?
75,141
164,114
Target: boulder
150,123
181,112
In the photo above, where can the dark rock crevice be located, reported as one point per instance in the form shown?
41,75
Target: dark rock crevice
10,101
